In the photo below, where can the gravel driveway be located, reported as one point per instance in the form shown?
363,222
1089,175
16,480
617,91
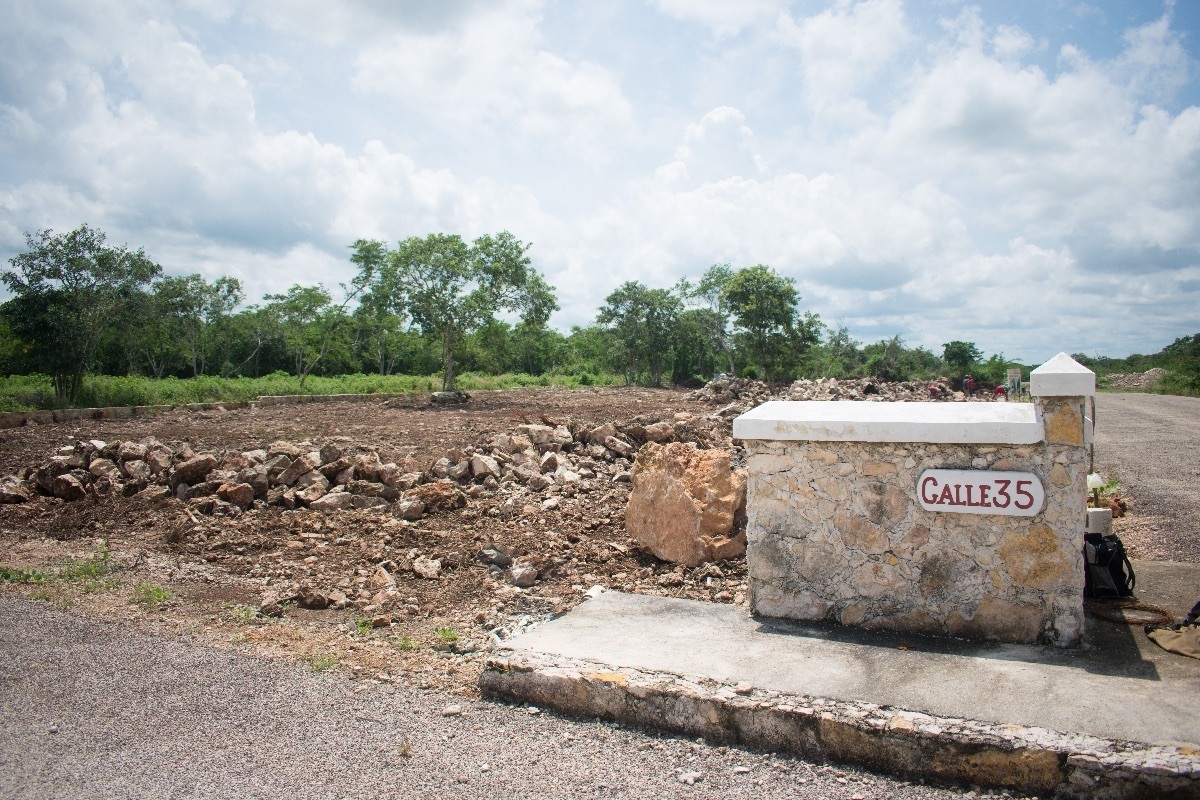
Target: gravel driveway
1152,444
93,710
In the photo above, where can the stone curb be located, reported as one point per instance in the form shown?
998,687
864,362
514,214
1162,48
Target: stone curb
892,740
17,419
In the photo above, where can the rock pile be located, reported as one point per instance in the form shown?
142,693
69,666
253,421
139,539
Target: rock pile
1134,380
570,457
743,394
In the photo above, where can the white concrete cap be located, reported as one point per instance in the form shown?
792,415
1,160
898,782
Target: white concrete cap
854,421
1062,376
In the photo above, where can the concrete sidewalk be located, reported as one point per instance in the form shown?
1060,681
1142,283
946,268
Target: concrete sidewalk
1088,702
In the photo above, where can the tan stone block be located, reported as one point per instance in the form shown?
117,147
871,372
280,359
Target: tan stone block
853,614
1063,426
999,620
1060,476
1006,465
884,505
873,469
858,532
1035,559
915,621
821,456
874,580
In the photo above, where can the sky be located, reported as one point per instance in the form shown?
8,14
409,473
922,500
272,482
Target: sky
1023,174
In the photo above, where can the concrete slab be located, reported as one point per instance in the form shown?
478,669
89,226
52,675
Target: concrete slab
1021,684
1074,707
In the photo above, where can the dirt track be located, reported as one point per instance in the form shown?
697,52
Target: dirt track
1151,443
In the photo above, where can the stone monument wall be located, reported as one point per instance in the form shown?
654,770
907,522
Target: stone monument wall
836,531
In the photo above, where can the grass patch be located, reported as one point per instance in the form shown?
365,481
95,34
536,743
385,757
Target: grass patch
35,392
403,643
446,635
91,570
149,596
363,625
323,661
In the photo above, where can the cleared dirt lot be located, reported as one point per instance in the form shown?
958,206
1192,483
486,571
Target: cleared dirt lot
93,708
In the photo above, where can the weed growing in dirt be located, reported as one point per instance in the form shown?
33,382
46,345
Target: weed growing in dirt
150,596
244,614
324,661
404,643
447,635
93,568
363,625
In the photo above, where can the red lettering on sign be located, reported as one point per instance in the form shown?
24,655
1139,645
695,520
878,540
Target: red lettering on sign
983,495
1002,492
929,500
1022,491
947,496
958,494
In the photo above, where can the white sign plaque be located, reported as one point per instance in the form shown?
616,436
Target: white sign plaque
973,491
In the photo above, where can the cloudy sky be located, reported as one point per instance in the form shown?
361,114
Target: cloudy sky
1020,173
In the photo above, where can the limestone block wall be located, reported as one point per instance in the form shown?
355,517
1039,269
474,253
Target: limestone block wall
836,532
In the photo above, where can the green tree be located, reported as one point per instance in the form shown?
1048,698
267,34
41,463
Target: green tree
307,319
642,321
763,304
197,307
68,291
960,357
715,319
449,288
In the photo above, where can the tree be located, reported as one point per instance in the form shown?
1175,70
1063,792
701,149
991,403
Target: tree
307,319
715,320
642,321
763,305
196,307
449,288
68,290
960,357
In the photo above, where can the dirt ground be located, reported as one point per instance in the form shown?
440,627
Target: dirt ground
146,560
108,556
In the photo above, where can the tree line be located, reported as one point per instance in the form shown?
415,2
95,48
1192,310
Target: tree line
428,305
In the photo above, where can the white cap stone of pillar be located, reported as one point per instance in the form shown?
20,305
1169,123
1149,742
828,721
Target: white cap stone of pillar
1062,376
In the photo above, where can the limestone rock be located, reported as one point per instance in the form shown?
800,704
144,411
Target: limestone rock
429,568
334,501
303,465
68,487
238,494
683,504
522,575
437,496
194,469
13,491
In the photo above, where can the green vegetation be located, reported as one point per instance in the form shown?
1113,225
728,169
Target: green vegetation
1180,361
150,596
404,643
95,567
94,325
363,625
446,635
323,661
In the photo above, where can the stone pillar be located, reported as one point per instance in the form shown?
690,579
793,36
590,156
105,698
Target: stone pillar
1060,389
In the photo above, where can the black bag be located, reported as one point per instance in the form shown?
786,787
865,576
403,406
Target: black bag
1107,571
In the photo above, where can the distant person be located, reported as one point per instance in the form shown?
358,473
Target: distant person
968,386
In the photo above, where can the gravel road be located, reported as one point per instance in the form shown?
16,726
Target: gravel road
1152,444
94,710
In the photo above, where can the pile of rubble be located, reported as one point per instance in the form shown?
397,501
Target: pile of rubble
1134,380
872,389
743,394
571,457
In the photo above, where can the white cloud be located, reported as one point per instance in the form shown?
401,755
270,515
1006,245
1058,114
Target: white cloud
723,17
491,71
